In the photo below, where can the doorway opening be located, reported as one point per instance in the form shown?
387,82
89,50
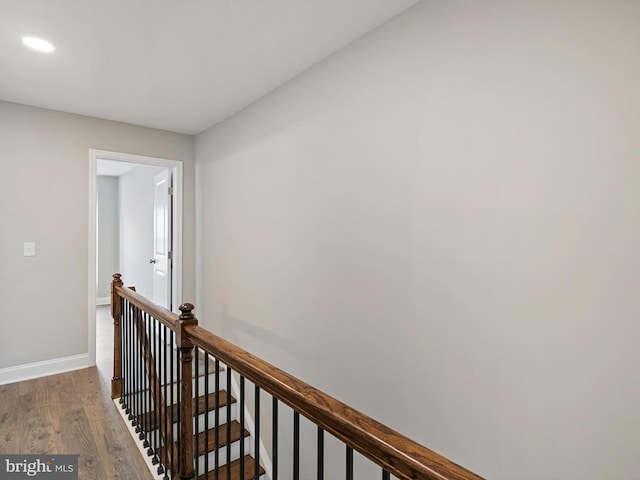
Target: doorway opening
135,228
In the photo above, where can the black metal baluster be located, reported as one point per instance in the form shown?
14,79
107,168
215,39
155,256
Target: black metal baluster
150,402
320,474
175,460
241,407
138,324
142,373
385,475
217,422
296,445
125,355
274,437
146,404
349,463
133,364
146,419
228,403
168,442
152,361
136,378
127,358
177,388
132,373
141,376
153,343
137,403
129,365
206,419
152,397
121,300
196,359
158,364
256,443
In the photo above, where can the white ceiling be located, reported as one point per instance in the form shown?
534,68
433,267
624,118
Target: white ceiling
169,64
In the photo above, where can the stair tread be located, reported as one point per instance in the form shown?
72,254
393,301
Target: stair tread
202,366
235,430
222,438
199,407
249,467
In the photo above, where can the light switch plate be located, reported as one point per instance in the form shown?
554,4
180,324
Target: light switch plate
29,249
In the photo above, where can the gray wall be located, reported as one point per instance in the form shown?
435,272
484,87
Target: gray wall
136,224
440,225
108,256
45,162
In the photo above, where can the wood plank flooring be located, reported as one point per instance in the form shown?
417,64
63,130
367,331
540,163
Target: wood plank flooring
72,413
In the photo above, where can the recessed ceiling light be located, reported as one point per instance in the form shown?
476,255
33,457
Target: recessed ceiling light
38,44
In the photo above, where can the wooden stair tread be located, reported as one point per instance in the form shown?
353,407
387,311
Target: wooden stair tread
235,433
199,407
202,368
249,467
235,430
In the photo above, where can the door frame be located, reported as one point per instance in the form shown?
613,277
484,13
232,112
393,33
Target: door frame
176,167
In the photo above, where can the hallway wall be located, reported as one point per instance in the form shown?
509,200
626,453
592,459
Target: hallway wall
439,225
45,200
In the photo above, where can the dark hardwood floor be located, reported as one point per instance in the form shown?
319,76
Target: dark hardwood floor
73,413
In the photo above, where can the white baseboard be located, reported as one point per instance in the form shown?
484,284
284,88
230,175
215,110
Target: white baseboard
42,369
153,469
103,301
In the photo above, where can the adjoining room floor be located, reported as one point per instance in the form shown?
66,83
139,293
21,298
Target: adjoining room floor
72,413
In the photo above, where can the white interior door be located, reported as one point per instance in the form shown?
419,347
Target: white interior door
161,260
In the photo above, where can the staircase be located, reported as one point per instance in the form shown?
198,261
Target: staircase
212,427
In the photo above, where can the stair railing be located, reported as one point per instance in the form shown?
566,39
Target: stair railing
151,356
173,343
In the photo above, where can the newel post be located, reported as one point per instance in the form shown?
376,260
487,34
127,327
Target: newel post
117,340
186,394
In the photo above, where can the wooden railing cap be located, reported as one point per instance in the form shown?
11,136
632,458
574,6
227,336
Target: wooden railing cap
187,311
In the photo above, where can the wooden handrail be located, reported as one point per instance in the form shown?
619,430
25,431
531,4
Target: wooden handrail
391,450
161,314
398,454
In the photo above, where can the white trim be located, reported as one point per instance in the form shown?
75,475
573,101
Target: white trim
178,182
103,301
153,469
92,249
43,369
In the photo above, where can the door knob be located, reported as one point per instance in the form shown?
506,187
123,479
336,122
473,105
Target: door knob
153,260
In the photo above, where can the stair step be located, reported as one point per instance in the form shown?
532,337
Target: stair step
170,390
197,363
249,467
148,419
236,433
